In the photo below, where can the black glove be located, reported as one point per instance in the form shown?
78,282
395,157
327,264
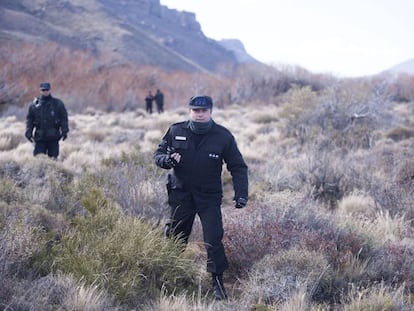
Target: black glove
64,136
241,202
29,137
170,162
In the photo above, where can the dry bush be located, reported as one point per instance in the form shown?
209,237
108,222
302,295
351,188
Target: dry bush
393,198
277,277
405,176
20,240
62,291
37,173
9,192
132,181
393,264
268,230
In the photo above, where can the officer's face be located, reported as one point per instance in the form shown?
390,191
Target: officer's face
200,114
45,91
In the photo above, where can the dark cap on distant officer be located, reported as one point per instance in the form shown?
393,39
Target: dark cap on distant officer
45,85
201,101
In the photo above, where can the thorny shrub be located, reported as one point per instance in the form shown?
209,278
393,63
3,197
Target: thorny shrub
393,265
268,230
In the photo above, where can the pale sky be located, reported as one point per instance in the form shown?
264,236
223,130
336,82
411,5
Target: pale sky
343,37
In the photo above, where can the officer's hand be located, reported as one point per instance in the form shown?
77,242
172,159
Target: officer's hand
29,137
240,202
170,162
64,136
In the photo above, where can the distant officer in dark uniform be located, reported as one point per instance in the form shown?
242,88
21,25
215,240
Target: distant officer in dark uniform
148,102
159,100
196,149
47,115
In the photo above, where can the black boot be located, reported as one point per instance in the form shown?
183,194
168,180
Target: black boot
219,291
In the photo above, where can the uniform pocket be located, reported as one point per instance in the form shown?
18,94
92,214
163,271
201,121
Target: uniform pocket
178,144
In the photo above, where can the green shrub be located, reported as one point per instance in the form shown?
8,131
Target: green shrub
122,254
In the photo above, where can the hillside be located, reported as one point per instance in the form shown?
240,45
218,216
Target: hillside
406,67
144,32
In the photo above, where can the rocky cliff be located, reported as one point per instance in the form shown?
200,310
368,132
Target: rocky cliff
142,31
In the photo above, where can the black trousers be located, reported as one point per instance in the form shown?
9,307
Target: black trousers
184,207
149,107
49,147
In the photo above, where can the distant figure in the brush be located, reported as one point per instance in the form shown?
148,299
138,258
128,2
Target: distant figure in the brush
48,117
148,102
196,150
159,100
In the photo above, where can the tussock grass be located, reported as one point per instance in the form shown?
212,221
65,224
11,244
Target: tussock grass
59,290
379,297
386,229
358,206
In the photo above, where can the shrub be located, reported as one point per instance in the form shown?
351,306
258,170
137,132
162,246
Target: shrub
9,192
393,265
277,277
19,242
40,180
62,291
122,254
134,182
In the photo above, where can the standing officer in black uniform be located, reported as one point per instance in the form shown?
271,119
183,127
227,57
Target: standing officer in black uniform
148,102
159,100
196,149
48,116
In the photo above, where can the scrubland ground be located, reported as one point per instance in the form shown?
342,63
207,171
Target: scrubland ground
328,224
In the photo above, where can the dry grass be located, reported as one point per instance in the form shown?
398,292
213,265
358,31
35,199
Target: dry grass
291,249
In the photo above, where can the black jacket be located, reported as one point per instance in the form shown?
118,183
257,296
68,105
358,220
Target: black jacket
48,116
200,168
